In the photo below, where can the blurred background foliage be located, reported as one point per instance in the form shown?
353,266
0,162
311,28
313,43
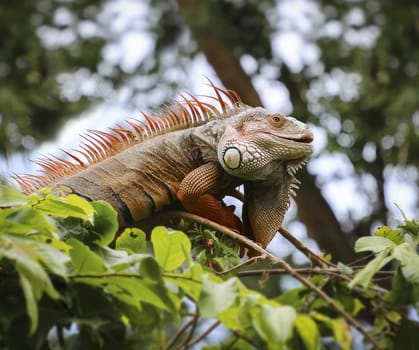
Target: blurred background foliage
355,75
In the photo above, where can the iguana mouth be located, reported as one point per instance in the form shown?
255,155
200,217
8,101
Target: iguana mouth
301,136
307,137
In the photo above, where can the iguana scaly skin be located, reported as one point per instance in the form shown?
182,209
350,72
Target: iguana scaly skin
193,152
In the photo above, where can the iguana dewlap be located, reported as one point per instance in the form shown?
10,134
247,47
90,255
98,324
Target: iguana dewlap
194,152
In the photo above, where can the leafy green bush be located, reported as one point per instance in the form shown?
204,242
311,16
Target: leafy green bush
70,280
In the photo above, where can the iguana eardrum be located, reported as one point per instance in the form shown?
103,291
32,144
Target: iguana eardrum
194,152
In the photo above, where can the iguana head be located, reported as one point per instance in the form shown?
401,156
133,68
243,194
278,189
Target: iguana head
264,149
255,138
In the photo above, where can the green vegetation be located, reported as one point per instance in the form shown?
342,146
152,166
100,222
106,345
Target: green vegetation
63,287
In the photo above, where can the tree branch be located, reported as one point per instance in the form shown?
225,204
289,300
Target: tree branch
313,257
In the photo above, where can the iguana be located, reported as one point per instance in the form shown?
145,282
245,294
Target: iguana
193,152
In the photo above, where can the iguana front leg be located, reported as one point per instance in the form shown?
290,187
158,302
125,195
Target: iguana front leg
195,197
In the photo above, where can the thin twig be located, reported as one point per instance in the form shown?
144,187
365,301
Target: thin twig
313,257
381,279
308,271
331,272
204,334
239,266
241,336
106,275
191,331
250,244
179,333
361,259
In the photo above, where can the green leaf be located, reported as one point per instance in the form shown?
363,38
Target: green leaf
34,280
170,249
24,221
105,222
343,296
132,240
345,269
233,343
410,226
150,268
238,317
55,260
231,319
342,333
216,297
357,306
228,258
31,304
40,249
53,242
273,323
84,260
373,244
401,293
113,258
411,271
409,260
132,289
119,260
71,205
308,332
190,281
22,253
339,328
407,336
364,276
387,232
73,228
295,297
10,196
403,253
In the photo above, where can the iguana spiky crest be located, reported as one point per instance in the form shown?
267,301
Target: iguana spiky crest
99,145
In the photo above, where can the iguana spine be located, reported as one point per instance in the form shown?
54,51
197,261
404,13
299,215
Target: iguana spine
99,145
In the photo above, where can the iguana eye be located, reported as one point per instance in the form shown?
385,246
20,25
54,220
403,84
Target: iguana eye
277,120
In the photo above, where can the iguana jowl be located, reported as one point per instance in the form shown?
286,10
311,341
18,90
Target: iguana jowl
194,152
